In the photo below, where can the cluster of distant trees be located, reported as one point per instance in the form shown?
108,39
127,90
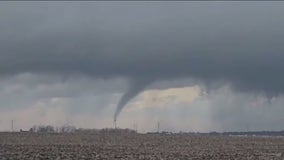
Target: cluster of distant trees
52,129
70,129
113,130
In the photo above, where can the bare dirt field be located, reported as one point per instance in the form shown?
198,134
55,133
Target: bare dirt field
137,146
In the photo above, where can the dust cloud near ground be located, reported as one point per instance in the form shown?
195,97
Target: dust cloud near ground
129,146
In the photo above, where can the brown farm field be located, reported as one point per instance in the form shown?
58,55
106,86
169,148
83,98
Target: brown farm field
137,146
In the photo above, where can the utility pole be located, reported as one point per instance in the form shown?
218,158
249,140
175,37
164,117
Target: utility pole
12,125
158,127
135,126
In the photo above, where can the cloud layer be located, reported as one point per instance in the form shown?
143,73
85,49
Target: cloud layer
237,42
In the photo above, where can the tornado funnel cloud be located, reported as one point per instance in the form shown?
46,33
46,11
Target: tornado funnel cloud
135,87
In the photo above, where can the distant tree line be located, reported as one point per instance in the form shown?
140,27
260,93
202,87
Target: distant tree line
117,130
70,128
248,133
52,129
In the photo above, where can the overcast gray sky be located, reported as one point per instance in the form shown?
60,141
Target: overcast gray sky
75,60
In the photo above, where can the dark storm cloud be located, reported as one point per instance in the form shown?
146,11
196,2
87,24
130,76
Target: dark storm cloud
241,43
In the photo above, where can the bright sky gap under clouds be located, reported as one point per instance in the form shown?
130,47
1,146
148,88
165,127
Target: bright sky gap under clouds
192,66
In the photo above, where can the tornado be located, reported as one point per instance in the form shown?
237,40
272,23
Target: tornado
135,87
